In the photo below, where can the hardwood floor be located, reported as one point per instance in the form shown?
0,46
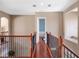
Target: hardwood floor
41,50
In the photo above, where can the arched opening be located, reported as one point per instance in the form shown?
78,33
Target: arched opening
4,26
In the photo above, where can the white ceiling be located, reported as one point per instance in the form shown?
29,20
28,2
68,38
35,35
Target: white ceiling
23,7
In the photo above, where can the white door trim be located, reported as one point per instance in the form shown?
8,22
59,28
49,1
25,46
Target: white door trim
38,18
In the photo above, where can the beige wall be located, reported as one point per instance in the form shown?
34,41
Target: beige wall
27,24
73,46
52,21
23,25
2,14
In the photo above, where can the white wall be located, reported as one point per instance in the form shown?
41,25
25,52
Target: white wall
71,26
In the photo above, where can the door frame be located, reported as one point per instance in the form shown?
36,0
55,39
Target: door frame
38,18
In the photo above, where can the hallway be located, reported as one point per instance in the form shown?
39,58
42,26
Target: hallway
39,28
42,50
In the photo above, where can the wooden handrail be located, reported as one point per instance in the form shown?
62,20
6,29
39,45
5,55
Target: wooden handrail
63,45
15,36
70,50
33,54
58,42
49,51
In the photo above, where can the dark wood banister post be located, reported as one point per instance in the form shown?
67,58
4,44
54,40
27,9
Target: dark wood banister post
31,44
61,44
48,39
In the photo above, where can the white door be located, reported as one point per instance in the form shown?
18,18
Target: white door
41,28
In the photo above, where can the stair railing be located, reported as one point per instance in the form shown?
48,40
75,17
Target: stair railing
68,53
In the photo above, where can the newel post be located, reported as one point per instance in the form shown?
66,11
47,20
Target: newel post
31,44
61,44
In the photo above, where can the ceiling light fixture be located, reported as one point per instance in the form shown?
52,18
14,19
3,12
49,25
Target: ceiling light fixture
49,5
34,5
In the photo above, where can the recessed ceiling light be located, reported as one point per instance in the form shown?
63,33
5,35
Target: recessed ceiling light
42,3
49,5
34,5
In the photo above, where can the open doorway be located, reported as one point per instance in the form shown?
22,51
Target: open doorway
4,26
41,28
